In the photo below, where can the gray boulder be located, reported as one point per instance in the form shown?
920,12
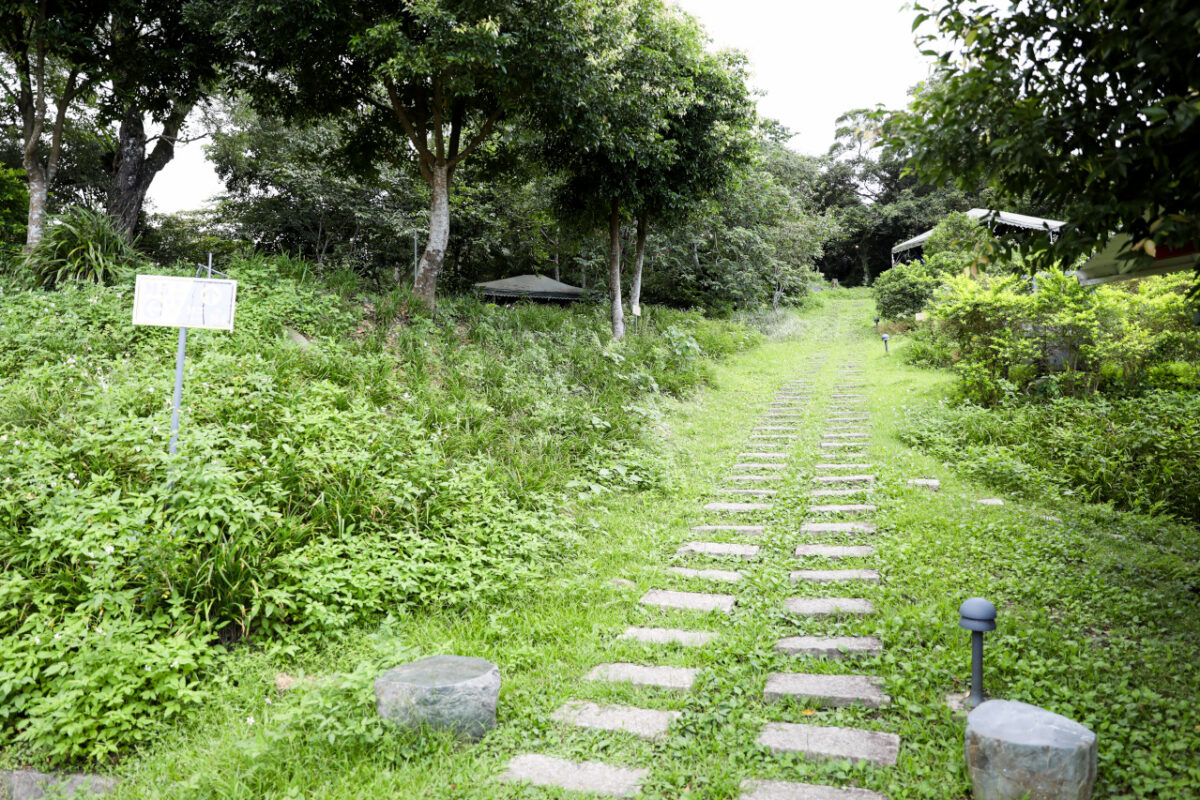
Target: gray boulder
28,784
452,693
1016,750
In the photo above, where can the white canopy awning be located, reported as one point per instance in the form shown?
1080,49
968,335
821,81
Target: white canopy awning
990,218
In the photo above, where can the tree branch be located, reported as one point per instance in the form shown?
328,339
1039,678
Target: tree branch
480,137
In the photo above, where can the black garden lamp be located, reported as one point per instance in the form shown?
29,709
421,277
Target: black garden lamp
977,615
885,338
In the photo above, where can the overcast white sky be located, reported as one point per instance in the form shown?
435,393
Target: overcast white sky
813,59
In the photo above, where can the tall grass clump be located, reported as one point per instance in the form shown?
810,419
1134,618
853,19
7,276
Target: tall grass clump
83,245
386,462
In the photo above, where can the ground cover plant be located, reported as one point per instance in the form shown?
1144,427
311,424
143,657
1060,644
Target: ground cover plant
1096,617
379,460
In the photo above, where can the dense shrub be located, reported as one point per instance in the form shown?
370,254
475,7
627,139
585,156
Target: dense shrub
1138,453
1004,339
398,461
904,290
80,244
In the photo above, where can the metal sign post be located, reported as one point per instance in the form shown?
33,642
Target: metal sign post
167,301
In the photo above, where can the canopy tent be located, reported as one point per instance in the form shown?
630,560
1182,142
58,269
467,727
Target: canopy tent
534,287
1105,267
990,218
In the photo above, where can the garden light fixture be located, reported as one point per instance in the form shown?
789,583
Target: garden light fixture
885,338
977,615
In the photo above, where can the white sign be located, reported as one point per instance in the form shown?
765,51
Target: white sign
184,302
637,310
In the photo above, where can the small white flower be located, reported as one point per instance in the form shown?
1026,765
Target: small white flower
270,701
147,668
57,636
37,640
108,548
249,720
71,475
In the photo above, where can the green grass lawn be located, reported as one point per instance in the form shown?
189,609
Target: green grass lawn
1098,621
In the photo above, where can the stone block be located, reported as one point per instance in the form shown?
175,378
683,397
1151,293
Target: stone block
737,508
834,467
744,530
783,790
668,636
452,693
837,435
835,550
721,575
746,552
841,492
765,456
829,646
829,691
644,722
678,678
29,784
748,492
688,601
753,478
828,606
838,527
831,479
990,501
594,777
932,484
843,508
748,465
1016,750
835,575
823,743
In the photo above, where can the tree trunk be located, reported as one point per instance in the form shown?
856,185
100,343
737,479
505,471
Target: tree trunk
639,257
557,248
439,234
614,271
134,171
39,190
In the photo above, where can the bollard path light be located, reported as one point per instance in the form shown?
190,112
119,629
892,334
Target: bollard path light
877,324
885,338
977,615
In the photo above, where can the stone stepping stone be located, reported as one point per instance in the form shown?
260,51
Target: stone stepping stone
826,479
830,691
688,601
759,465
644,722
738,508
781,456
722,575
749,492
668,636
776,427
829,646
771,436
828,606
835,550
848,397
594,777
747,530
679,678
836,445
783,790
838,527
850,418
752,478
990,501
859,436
841,492
746,552
844,508
782,415
932,484
834,575
825,742
830,467
849,428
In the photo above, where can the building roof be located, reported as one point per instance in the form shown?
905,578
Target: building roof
991,218
1106,267
535,286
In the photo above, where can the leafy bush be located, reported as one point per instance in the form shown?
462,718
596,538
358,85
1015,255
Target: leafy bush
904,290
957,234
398,461
80,245
1138,453
1005,339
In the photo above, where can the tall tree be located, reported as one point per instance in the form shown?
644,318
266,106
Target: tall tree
51,60
1089,106
164,58
428,80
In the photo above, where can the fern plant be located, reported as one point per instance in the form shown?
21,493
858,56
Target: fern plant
80,244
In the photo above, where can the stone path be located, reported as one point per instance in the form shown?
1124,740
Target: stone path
830,561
